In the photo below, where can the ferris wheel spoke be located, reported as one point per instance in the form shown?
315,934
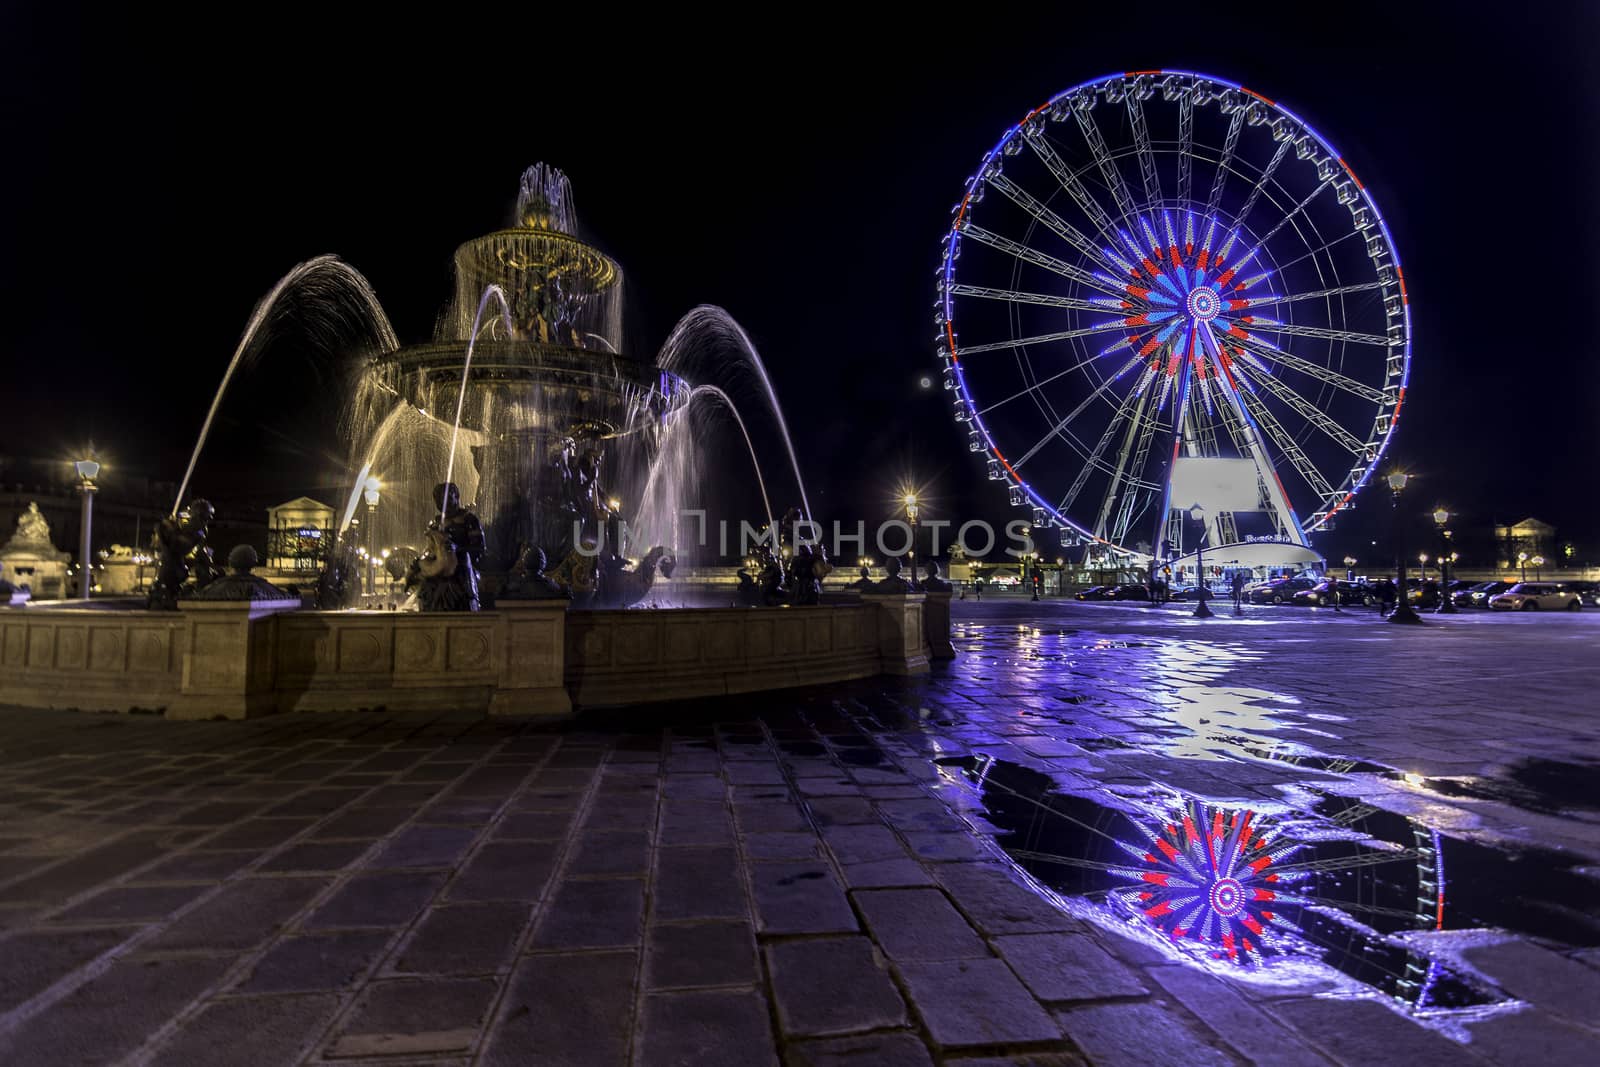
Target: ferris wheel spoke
1038,339
1053,162
1075,412
1042,382
1015,297
1041,259
1291,215
1108,166
1054,222
1135,406
1261,182
1286,445
1346,863
1289,329
1317,371
1318,251
1308,411
1185,146
1320,294
1125,515
1147,159
1229,145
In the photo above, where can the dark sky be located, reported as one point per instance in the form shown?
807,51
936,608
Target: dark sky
160,178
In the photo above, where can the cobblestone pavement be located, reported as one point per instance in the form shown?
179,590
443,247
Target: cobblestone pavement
879,873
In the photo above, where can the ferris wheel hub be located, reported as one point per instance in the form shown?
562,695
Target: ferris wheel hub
1203,304
1227,897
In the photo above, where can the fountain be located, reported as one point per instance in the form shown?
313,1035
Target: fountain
544,473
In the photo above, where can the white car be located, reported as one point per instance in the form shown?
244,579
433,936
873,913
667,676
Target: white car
1537,596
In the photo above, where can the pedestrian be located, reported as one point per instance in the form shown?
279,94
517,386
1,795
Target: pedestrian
1238,591
1333,593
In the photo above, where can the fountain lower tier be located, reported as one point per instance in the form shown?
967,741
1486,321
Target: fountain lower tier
244,659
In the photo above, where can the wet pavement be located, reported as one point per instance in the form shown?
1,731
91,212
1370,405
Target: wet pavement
1105,834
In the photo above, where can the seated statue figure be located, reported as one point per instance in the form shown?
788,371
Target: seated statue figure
893,583
449,567
933,583
528,580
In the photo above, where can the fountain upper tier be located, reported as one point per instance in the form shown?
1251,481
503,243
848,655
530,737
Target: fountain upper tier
560,290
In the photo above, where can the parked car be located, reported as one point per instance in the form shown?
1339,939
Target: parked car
1350,594
1477,596
1537,596
1588,592
1422,595
1129,592
1279,591
1096,592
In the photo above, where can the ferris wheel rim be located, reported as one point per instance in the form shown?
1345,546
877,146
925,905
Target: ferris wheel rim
1371,451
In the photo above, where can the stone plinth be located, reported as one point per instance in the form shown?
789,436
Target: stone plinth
902,641
532,677
936,624
229,664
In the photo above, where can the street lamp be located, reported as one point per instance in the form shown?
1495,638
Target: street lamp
371,496
1422,558
1447,604
1402,611
88,470
1201,610
911,514
1522,562
1538,568
1349,568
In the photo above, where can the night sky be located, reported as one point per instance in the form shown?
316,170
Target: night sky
156,189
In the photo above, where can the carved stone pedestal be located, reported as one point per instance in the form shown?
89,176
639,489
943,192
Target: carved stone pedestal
902,642
229,654
532,678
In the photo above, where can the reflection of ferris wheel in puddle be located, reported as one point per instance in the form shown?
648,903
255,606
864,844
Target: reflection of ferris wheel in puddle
1341,881
1168,264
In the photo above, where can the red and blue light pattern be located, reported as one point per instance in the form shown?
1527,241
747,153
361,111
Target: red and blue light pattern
1187,298
1207,878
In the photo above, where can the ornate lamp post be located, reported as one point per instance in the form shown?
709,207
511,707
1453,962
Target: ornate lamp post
1522,563
1447,604
1349,568
88,470
371,496
1538,568
1402,610
1422,560
1201,609
911,515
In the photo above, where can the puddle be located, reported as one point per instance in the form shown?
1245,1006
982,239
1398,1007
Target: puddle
1546,787
1361,890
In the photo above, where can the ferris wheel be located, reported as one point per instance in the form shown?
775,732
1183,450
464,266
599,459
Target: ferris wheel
1162,289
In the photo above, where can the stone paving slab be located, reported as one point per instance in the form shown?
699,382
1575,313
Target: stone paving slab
788,878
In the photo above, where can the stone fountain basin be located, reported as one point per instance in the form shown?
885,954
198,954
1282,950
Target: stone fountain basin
243,659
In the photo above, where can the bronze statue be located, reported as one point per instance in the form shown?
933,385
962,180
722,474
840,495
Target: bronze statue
808,566
893,583
448,568
181,555
863,582
339,581
239,583
528,580
933,583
